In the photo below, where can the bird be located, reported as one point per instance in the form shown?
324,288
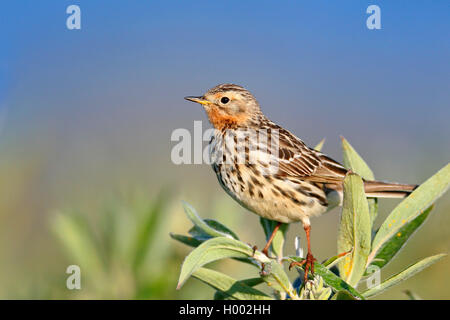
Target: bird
270,171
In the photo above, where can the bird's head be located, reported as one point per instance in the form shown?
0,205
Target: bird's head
228,105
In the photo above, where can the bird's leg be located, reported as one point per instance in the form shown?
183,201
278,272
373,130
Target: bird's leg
269,242
309,265
309,261
266,248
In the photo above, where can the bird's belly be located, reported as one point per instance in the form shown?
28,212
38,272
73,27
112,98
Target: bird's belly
269,198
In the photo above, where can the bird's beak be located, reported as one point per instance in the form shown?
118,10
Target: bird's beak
200,100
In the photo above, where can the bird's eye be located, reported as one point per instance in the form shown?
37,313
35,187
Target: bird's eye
224,100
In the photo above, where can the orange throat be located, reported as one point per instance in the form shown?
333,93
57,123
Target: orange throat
220,120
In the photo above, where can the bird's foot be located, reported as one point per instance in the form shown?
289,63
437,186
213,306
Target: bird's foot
266,252
308,264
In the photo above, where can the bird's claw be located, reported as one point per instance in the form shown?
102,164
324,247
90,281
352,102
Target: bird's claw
308,265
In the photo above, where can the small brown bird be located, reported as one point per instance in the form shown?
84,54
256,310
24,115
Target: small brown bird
292,183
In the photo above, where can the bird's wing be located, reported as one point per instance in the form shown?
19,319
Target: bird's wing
297,160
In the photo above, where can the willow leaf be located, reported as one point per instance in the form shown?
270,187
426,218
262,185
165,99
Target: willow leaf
216,249
410,208
343,295
319,146
405,274
229,286
276,278
190,241
251,282
353,161
390,248
354,230
201,224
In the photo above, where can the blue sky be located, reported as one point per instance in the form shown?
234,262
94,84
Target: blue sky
313,65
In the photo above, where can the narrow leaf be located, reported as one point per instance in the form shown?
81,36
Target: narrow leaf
190,241
277,279
78,239
353,161
343,295
319,146
220,227
411,295
195,242
200,234
201,224
229,286
391,247
80,243
405,274
219,295
331,262
216,249
411,207
354,230
146,231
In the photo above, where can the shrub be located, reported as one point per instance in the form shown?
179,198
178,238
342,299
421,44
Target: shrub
366,250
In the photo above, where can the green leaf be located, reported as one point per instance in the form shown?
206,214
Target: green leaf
354,230
200,234
391,247
373,209
201,224
79,241
76,235
278,240
319,146
331,262
229,286
412,295
190,241
277,279
405,274
248,282
343,295
220,227
353,161
108,226
330,278
410,208
195,242
146,231
216,249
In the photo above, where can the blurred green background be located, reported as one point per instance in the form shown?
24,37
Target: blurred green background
86,118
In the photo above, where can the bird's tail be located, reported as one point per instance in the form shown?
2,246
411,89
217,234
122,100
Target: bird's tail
380,189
